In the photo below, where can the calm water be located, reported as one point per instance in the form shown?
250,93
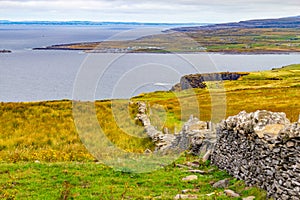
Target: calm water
27,75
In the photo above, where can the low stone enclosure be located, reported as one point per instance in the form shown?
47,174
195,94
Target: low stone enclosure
261,148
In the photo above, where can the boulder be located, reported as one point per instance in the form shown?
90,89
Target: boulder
221,184
231,193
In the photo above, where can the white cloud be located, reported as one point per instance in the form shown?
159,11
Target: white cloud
151,10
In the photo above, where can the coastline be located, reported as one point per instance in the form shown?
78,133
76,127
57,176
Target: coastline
65,47
5,51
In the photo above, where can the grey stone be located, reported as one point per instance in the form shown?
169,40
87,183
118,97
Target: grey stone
221,184
207,155
285,197
296,182
231,193
195,164
290,144
190,178
186,196
147,151
197,171
189,190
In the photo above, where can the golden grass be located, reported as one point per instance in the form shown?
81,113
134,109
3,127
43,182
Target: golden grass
45,131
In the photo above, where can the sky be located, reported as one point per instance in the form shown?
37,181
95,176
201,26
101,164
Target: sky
170,11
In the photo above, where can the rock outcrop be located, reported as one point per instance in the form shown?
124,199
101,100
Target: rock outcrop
198,80
192,81
5,51
261,148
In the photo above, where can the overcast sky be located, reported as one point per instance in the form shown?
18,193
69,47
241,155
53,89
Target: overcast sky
147,11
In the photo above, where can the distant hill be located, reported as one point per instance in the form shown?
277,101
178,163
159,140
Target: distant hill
287,22
253,36
93,23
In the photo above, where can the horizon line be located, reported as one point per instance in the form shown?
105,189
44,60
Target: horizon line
92,22
95,22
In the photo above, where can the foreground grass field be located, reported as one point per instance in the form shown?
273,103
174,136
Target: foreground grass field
42,157
72,180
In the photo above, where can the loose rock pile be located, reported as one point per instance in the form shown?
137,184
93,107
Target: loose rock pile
261,148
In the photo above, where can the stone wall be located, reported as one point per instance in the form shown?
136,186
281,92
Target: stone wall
197,136
263,149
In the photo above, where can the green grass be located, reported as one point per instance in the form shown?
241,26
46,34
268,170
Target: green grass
71,180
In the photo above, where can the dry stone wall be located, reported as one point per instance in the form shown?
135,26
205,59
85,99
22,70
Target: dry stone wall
263,149
196,135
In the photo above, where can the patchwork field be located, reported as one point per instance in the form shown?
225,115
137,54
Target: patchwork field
227,40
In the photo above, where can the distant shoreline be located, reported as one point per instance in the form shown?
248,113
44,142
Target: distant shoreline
266,36
98,23
64,47
5,51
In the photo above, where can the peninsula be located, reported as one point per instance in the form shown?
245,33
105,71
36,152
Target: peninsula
248,37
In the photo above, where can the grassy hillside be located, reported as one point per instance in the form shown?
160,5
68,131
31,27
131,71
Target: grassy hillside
45,132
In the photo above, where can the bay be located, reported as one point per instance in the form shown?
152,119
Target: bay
27,75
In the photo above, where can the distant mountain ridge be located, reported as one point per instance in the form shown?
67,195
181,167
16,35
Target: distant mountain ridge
287,22
92,23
